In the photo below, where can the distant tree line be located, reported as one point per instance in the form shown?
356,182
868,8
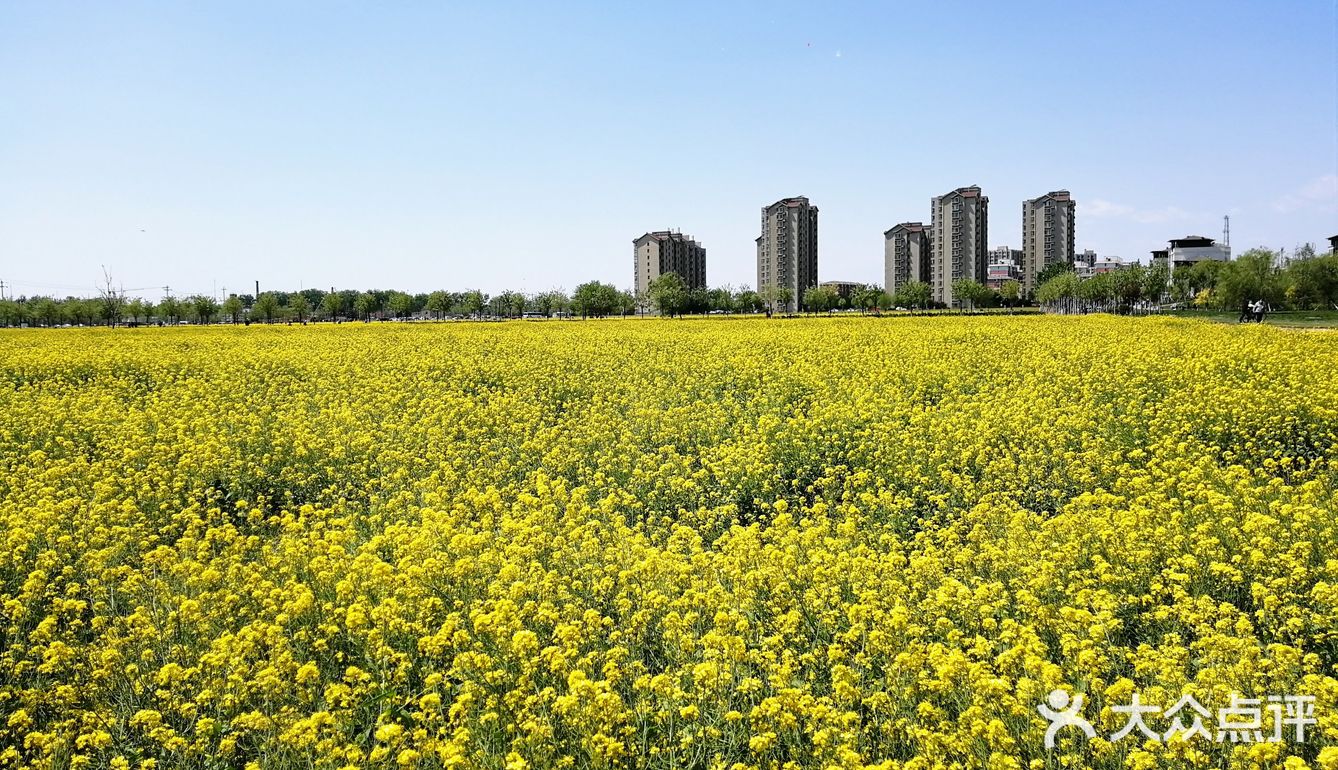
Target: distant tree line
1305,281
590,300
669,295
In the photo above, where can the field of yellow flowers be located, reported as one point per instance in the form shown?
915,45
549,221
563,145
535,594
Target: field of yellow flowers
662,544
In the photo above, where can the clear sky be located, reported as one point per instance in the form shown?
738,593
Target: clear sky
500,145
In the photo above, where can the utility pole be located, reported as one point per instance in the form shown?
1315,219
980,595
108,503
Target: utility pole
2,290
257,289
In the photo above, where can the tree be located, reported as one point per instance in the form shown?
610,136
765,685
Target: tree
913,294
627,302
232,308
549,302
474,302
332,303
505,304
399,304
47,311
595,299
438,304
169,309
136,309
720,298
668,294
313,297
1060,291
1126,284
11,312
112,300
1010,291
365,305
515,302
1051,270
969,292
1313,283
865,297
300,306
1095,291
1203,275
769,296
698,301
1250,277
204,307
748,301
1155,279
266,306
820,299
83,311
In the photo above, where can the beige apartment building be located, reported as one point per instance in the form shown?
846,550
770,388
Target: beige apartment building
1047,234
668,251
959,234
906,250
787,251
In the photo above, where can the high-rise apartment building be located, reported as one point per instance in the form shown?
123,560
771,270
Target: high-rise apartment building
1047,234
905,255
666,251
960,232
787,252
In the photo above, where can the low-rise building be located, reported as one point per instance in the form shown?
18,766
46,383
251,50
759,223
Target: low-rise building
843,289
1192,249
1108,264
1005,265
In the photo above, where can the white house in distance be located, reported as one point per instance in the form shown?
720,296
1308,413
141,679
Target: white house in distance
1108,265
1190,250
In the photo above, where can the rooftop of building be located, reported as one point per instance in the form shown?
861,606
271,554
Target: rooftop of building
794,202
1191,241
910,227
667,235
1057,195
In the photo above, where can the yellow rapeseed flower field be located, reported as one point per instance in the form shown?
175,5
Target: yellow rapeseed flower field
827,543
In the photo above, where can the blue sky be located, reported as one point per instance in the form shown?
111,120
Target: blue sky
507,145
